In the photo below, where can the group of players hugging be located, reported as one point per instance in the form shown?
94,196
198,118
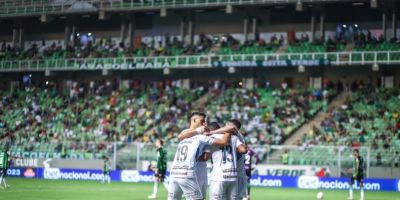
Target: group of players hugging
230,158
231,162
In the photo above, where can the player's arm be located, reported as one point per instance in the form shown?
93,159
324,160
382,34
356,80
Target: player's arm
188,133
163,159
223,130
357,166
242,149
205,156
224,141
206,153
258,160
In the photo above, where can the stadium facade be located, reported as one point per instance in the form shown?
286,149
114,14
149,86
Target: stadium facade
250,43
157,23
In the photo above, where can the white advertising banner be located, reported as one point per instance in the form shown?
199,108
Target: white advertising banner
292,170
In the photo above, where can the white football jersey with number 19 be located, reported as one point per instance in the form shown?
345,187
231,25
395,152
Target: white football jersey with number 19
187,154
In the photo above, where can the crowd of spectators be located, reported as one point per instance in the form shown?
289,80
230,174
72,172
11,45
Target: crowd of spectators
107,47
86,117
89,114
269,115
369,118
205,44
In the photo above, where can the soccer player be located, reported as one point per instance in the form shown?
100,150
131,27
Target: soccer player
161,167
4,163
205,151
183,178
358,174
248,164
227,163
106,170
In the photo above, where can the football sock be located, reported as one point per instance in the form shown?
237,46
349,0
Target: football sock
362,193
351,192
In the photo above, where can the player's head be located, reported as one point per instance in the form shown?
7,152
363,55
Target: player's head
235,123
356,152
197,119
213,126
159,143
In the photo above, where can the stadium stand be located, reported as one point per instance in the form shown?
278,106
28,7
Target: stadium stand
269,115
82,121
86,119
46,119
108,48
370,118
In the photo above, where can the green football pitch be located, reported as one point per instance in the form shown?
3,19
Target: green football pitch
32,189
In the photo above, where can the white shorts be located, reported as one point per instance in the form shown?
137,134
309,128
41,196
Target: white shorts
202,178
242,186
188,187
223,190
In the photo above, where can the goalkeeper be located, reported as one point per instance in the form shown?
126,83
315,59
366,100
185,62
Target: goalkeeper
4,164
161,168
106,170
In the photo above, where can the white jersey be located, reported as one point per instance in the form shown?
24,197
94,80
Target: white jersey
201,171
186,156
224,160
202,165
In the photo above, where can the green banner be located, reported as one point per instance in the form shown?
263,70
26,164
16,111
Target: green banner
55,155
124,65
270,63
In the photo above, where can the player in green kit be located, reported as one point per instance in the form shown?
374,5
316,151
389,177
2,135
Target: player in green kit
358,174
160,170
4,163
106,170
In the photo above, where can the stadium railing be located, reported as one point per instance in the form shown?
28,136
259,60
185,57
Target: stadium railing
31,7
207,61
10,8
338,159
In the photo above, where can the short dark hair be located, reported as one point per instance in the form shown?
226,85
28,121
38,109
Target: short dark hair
161,142
197,113
356,150
236,123
213,126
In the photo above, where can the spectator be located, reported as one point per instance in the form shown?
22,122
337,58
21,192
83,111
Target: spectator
379,159
285,158
396,159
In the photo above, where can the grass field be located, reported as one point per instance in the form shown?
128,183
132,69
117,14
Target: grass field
32,189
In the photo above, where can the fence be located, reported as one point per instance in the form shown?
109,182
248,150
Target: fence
337,161
11,8
207,61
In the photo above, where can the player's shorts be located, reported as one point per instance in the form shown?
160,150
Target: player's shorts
224,190
242,186
202,178
3,172
359,179
106,173
248,173
160,174
188,187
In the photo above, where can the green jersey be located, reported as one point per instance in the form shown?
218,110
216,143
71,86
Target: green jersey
358,164
3,160
107,166
161,160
